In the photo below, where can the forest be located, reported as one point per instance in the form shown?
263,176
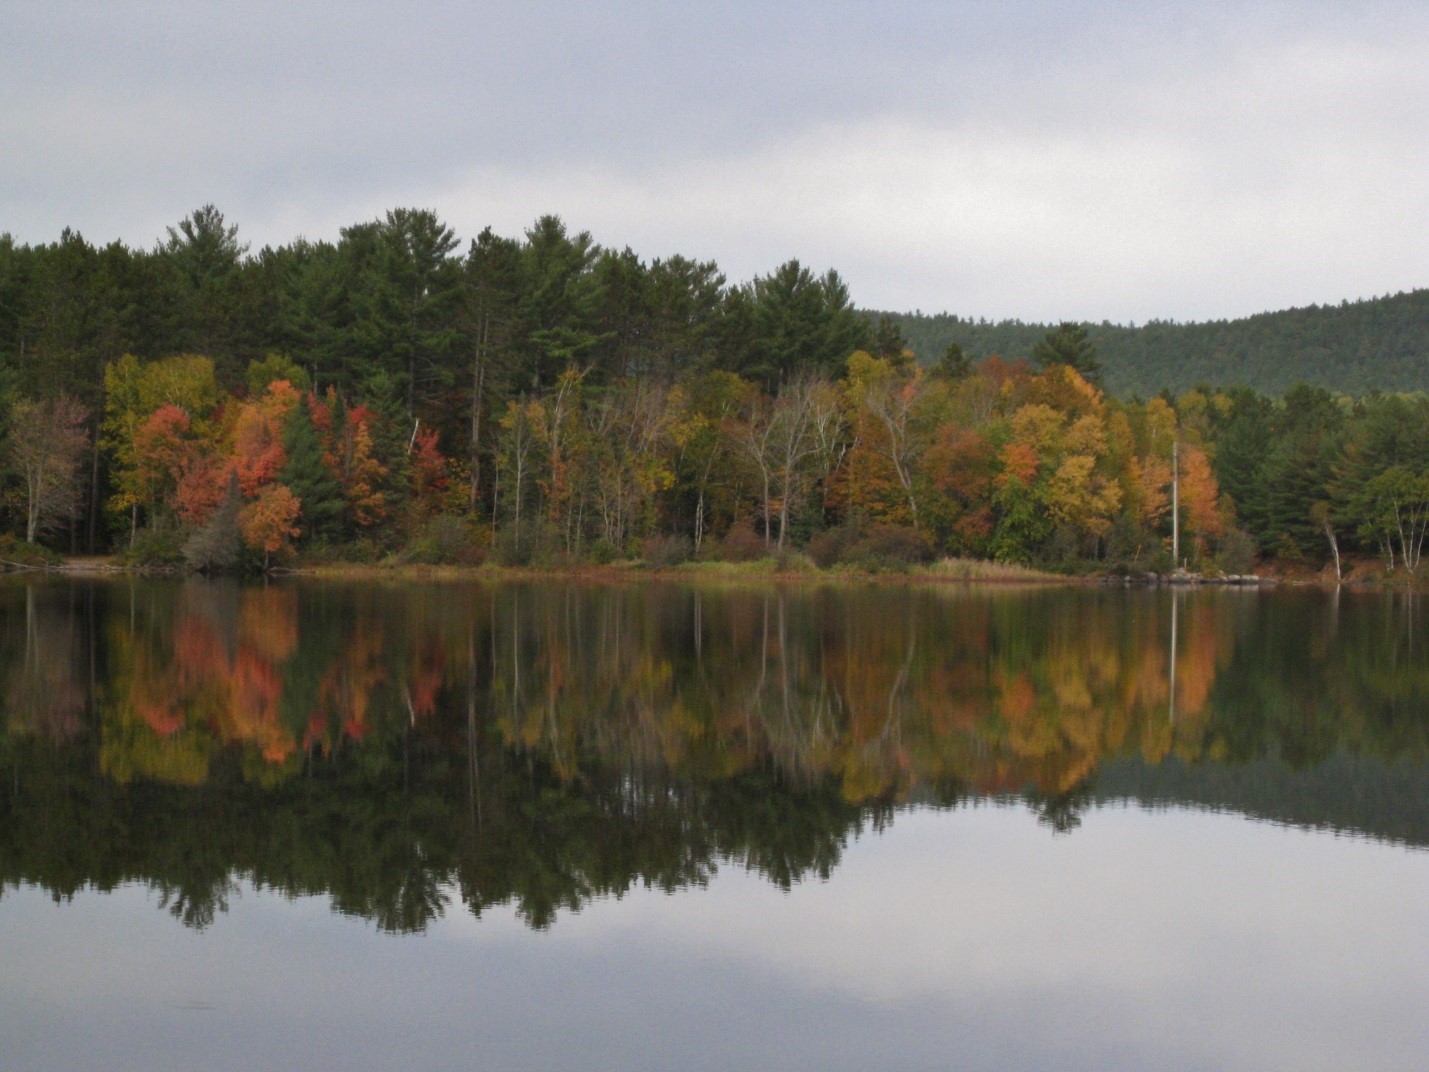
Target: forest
396,397
1351,348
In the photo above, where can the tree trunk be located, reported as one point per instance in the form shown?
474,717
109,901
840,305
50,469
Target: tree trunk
93,490
766,510
478,375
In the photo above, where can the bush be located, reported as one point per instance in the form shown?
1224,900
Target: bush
1237,552
363,551
662,552
603,552
790,561
446,540
163,548
27,554
529,544
889,547
741,543
829,547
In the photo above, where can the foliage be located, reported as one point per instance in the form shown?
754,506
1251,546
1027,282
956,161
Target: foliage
570,401
20,553
43,448
270,522
662,552
216,546
1354,347
741,543
157,548
1068,344
307,475
446,539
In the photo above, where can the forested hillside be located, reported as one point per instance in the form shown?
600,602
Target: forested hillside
1353,348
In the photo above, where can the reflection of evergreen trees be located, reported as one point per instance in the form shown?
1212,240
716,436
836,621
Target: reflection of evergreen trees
1348,793
387,840
398,749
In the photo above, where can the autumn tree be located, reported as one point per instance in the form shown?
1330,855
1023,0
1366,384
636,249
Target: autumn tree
134,391
257,436
703,408
891,411
275,366
216,544
630,451
961,465
1200,498
791,442
45,446
352,455
270,522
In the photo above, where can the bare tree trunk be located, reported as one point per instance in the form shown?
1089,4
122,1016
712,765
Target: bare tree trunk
93,489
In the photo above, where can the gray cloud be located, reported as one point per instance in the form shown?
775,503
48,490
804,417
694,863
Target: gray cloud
1041,160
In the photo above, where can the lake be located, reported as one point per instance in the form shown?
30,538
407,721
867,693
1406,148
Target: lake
547,825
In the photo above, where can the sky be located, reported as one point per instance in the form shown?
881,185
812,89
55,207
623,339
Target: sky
1039,160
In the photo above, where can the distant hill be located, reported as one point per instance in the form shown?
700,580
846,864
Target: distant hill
1354,347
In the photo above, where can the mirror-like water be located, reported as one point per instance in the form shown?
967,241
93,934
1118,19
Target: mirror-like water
653,826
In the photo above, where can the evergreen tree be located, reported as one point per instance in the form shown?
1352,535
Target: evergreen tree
307,476
1069,344
559,302
801,324
204,260
888,340
489,323
405,301
955,363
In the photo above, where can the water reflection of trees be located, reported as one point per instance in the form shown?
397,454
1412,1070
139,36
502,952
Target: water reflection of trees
542,745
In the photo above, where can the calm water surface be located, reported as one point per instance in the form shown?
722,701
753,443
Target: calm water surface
543,826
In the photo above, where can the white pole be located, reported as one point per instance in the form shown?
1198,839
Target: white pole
1176,504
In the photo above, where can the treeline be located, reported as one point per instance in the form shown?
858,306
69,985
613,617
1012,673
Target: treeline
542,399
1351,348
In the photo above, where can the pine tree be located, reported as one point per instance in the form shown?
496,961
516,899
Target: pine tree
1068,344
308,477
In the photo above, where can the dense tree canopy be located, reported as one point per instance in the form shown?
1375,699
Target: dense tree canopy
542,396
1354,347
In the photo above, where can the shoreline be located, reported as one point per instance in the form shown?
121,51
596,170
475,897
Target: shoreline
763,571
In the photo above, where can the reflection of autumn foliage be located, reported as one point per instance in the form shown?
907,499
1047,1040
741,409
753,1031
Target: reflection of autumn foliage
347,687
996,693
45,695
205,681
426,677
880,690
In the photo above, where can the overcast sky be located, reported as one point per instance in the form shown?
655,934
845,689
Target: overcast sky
1043,160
